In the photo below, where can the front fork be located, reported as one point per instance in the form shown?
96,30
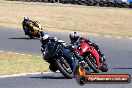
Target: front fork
103,62
73,62
102,59
101,56
81,62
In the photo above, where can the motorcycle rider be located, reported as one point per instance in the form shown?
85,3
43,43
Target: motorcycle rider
74,37
44,39
30,24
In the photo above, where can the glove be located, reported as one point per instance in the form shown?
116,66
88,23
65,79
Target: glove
42,49
70,46
64,44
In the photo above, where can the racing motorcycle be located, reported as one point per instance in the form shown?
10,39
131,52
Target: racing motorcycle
89,55
32,29
59,58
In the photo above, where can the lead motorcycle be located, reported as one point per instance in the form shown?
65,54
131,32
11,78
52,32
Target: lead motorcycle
89,55
59,57
32,29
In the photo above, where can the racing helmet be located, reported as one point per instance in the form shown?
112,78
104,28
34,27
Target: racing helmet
74,37
26,18
44,38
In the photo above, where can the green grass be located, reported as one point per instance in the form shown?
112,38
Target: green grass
15,64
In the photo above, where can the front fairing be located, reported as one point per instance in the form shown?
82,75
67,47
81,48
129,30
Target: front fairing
84,47
87,48
47,55
96,55
36,32
81,47
69,55
50,50
66,52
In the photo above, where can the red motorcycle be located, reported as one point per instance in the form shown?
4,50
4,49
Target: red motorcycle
90,56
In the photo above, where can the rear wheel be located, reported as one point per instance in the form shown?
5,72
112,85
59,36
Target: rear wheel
31,37
65,67
92,63
81,80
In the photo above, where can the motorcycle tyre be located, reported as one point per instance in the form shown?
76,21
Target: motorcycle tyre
91,65
61,69
104,68
31,37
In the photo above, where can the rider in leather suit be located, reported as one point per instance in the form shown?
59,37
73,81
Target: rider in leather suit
74,37
45,38
30,24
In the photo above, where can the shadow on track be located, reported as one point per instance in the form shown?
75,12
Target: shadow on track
48,77
24,38
122,68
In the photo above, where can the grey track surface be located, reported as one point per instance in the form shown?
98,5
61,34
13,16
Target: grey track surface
117,51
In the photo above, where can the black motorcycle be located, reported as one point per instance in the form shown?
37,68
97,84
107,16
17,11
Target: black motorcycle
59,58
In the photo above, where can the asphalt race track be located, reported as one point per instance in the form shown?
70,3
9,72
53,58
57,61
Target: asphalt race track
117,50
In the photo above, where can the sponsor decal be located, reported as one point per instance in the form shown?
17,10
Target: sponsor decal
83,78
103,78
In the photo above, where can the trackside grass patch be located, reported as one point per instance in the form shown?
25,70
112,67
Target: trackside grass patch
59,17
14,64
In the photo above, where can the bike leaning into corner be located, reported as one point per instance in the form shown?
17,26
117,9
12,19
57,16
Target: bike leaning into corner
89,52
57,55
31,28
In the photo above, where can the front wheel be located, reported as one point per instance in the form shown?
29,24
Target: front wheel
92,63
104,68
65,67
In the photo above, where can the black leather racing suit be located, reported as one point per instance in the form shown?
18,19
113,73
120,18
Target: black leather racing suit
54,39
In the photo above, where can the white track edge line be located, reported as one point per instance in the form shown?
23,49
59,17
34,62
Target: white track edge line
118,37
17,53
24,74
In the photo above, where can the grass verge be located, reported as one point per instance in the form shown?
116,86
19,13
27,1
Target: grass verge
59,17
15,64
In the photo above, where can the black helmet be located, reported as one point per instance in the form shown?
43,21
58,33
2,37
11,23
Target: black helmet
73,37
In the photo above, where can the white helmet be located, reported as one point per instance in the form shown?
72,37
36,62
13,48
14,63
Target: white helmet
45,36
74,34
26,18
